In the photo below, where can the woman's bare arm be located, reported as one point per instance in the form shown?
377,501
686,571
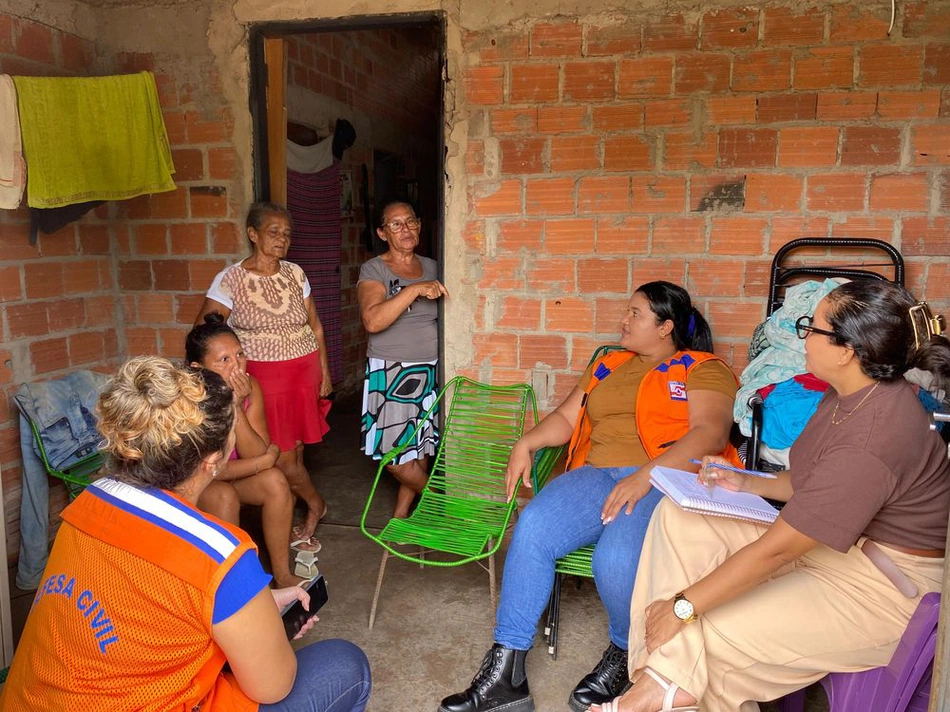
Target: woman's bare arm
254,642
378,312
210,305
317,327
554,429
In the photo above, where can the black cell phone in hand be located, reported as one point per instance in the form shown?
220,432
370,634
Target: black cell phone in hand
294,615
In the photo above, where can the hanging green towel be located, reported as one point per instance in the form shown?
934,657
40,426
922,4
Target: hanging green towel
92,138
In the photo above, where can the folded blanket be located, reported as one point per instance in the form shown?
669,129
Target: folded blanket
12,166
92,138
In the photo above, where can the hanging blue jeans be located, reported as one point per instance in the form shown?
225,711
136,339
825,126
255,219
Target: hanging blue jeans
562,517
332,676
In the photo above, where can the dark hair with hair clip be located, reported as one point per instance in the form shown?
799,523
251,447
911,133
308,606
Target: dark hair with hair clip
196,343
874,318
671,302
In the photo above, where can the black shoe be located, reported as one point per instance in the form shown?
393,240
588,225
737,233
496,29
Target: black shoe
500,684
609,679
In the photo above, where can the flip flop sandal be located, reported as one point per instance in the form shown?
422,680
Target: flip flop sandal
306,546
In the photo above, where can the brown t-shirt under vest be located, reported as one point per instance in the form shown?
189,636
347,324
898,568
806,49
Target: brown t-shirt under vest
614,441
880,472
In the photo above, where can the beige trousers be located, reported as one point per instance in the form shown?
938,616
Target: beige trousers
826,612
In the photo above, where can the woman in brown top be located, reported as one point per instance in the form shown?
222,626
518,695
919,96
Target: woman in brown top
266,300
727,612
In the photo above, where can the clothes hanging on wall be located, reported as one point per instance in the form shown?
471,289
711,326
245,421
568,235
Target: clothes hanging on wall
92,138
313,200
12,165
49,220
310,159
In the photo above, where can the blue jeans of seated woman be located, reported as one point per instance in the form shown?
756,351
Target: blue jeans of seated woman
332,676
562,517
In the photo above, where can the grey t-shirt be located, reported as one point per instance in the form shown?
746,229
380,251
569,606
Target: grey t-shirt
414,336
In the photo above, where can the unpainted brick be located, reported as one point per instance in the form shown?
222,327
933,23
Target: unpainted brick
549,196
824,68
672,33
645,77
657,194
589,81
612,40
556,40
764,70
683,152
845,106
784,26
924,104
702,72
730,27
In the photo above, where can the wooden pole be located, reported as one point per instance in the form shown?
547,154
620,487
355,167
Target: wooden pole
275,56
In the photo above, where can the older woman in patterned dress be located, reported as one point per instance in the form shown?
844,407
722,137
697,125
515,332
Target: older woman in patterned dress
266,300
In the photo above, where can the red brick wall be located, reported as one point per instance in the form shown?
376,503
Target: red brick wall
690,148
379,78
127,279
58,297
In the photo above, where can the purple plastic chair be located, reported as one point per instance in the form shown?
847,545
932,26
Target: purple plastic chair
902,686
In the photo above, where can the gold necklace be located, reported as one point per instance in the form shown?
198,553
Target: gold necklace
852,411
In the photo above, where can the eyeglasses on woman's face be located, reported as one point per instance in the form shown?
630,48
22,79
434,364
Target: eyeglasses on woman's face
803,327
400,225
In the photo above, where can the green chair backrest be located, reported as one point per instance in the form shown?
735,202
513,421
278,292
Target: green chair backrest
76,477
466,485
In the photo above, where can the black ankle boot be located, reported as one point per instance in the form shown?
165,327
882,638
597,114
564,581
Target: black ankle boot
609,679
500,684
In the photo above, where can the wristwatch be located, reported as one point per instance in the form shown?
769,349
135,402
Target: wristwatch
683,609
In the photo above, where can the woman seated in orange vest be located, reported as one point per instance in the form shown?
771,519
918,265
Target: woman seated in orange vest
145,598
667,400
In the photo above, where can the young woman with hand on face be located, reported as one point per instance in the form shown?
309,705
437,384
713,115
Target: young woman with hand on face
251,475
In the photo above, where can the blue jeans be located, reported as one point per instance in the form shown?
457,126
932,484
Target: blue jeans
332,676
562,517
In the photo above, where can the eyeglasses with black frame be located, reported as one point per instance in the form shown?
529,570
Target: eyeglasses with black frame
400,225
803,327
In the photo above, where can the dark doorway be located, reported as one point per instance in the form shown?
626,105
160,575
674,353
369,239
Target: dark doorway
384,77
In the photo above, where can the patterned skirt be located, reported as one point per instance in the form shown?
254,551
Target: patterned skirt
395,397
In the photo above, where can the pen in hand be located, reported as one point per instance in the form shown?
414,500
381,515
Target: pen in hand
739,470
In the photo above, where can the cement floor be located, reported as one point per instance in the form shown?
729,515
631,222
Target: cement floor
433,625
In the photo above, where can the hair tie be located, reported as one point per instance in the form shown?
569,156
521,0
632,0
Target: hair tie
925,324
691,328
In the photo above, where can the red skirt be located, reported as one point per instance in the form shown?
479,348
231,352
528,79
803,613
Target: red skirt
292,404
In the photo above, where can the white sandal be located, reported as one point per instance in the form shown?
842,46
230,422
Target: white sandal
671,688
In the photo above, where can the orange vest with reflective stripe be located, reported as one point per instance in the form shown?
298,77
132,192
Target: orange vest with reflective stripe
122,619
662,406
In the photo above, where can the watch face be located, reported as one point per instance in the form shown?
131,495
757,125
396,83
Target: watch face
683,609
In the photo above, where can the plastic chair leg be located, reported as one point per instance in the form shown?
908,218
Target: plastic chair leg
379,585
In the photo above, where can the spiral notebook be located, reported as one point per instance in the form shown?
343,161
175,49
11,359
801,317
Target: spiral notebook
684,489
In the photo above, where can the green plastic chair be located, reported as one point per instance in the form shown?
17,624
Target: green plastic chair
76,477
578,562
463,510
